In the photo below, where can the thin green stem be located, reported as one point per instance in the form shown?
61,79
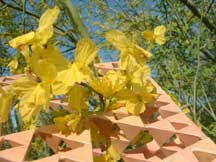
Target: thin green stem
209,104
76,19
23,16
194,112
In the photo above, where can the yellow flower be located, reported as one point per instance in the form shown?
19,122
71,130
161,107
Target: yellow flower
22,40
187,42
5,104
46,62
85,53
43,69
127,48
139,78
79,71
28,111
158,35
140,93
78,97
24,86
40,96
112,154
42,34
132,68
68,123
40,37
111,83
136,101
45,29
13,65
33,97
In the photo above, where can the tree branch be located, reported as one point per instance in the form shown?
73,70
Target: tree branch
38,17
76,19
190,5
210,6
69,49
208,54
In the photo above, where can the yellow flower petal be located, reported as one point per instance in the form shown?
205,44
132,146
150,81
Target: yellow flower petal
13,65
160,40
78,97
112,155
85,53
139,77
44,70
118,39
28,111
70,76
25,51
140,54
45,29
135,107
160,30
39,96
77,124
24,86
25,39
61,123
159,33
48,18
59,88
5,105
66,79
68,123
148,35
32,93
111,83
55,57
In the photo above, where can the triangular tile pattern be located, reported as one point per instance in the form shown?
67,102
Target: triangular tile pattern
80,145
190,145
17,153
172,121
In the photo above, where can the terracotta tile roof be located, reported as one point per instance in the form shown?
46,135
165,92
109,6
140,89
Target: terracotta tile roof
189,145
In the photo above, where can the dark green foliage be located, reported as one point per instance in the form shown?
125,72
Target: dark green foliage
6,145
38,149
141,139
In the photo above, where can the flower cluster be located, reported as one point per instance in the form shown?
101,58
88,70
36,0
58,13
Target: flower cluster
88,93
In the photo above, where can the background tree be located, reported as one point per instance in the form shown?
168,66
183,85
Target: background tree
184,66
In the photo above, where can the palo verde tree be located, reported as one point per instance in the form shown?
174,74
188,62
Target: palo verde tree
184,65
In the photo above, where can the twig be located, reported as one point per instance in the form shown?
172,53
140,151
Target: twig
24,20
196,12
210,6
75,19
38,17
69,49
